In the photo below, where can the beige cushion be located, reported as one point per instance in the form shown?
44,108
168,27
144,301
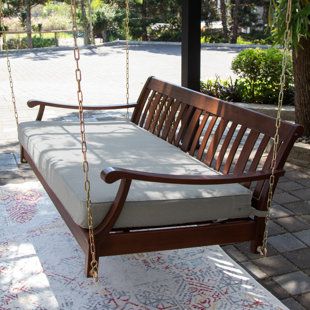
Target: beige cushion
55,150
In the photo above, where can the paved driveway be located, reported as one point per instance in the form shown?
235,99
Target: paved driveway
49,75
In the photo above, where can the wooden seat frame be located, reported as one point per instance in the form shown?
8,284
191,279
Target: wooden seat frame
196,124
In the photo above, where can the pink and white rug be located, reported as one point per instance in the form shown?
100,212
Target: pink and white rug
42,267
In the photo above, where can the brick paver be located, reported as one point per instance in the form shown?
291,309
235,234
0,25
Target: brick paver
49,75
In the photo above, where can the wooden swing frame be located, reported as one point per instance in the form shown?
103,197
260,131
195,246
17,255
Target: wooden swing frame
155,111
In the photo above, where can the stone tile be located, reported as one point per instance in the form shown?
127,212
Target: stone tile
284,198
295,283
275,288
299,207
277,211
275,229
300,257
290,186
293,223
304,300
303,194
234,253
297,174
306,218
286,242
274,265
244,247
304,236
305,182
254,270
292,304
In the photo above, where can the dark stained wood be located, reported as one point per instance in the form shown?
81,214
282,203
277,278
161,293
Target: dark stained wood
187,119
246,152
233,149
206,137
215,141
163,116
225,145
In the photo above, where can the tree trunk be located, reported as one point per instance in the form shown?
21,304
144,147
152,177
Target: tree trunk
144,17
235,20
266,5
301,61
28,23
224,19
85,23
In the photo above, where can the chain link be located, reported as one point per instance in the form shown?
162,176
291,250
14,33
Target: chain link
8,63
78,76
287,35
127,56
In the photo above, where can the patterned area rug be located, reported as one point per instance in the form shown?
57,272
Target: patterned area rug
42,267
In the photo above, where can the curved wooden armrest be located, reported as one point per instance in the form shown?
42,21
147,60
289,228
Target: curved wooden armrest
43,104
113,174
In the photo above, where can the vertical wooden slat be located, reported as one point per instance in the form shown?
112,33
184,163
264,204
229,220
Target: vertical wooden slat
198,134
171,116
233,149
225,145
152,109
157,113
266,166
246,151
175,124
215,141
190,129
163,116
184,124
146,109
258,155
206,136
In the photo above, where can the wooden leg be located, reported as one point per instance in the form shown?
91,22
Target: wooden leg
22,156
260,228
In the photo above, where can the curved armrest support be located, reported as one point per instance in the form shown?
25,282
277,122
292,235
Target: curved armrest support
43,104
113,174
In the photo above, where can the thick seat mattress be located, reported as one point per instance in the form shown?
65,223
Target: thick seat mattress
56,151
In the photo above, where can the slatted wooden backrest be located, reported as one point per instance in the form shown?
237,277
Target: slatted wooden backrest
228,138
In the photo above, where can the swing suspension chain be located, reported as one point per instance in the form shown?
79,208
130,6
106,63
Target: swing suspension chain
8,63
127,55
287,36
78,76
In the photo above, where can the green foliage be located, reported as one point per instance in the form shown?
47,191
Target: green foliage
228,90
213,36
36,42
299,25
108,22
259,71
258,79
165,32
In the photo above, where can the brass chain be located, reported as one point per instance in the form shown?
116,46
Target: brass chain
78,76
8,63
263,248
127,56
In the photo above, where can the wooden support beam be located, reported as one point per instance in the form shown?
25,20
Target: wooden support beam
191,33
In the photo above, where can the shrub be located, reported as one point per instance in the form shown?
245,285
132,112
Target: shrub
164,32
36,42
107,21
228,90
213,36
259,72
